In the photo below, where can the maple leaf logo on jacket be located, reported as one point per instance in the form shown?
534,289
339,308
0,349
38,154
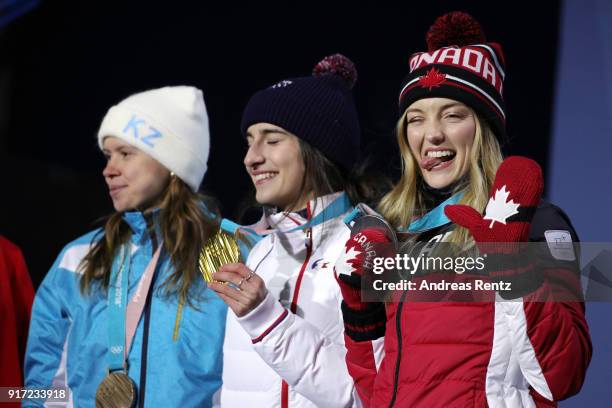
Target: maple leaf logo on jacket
499,209
432,79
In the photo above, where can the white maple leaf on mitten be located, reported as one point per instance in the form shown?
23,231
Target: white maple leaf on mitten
499,209
344,266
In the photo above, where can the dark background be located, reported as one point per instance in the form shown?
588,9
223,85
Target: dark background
65,63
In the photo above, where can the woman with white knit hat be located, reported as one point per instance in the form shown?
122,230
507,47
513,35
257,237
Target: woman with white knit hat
122,318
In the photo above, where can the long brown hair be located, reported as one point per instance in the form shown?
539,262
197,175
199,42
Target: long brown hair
406,201
322,176
184,228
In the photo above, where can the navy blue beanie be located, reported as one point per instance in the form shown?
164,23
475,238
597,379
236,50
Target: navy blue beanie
318,109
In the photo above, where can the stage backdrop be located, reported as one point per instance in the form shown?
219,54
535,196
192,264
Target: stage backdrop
580,170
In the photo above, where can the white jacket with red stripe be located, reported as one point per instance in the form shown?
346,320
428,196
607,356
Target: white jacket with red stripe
289,351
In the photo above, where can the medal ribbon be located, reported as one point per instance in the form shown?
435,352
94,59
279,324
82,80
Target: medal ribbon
335,209
434,218
123,317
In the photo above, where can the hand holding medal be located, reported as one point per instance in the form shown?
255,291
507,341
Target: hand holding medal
246,290
236,284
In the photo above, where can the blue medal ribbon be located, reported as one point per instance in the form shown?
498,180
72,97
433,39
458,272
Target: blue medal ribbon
248,234
336,208
117,306
434,218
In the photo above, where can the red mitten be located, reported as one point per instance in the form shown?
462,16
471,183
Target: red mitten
362,320
515,196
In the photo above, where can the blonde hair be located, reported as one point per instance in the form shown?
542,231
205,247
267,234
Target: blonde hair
406,202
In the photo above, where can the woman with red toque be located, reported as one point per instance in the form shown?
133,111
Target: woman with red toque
523,347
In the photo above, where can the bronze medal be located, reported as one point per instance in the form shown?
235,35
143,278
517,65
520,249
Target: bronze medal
219,250
117,390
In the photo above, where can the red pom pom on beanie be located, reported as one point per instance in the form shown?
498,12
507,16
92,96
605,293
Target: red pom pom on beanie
339,65
456,28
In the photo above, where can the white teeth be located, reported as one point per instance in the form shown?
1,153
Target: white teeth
263,176
440,153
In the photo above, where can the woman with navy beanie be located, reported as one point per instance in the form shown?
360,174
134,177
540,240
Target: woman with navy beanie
284,341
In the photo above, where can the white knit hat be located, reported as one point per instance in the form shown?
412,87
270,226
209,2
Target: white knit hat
169,124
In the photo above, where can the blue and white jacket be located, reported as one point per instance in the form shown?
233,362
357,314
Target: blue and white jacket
68,339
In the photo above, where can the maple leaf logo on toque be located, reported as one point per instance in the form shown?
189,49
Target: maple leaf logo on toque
499,209
432,79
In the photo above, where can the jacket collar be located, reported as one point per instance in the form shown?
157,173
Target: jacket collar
284,221
137,222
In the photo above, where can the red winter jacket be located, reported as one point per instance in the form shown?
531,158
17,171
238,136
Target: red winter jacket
478,354
16,296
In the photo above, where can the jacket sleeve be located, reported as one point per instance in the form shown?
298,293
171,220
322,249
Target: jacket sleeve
311,363
49,327
21,286
548,326
363,361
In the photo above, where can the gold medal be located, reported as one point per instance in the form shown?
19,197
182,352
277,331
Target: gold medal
117,390
219,250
